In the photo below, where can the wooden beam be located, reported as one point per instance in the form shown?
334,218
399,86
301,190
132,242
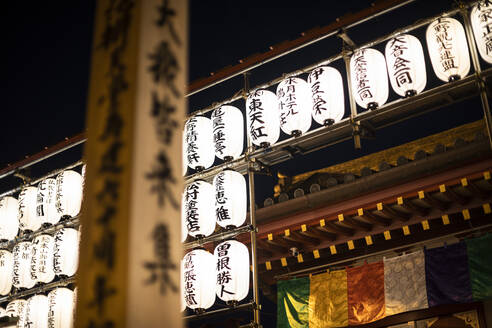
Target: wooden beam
357,224
432,201
375,219
298,237
452,195
337,228
411,207
278,249
388,211
318,233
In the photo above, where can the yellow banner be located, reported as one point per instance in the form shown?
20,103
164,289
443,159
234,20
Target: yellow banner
328,300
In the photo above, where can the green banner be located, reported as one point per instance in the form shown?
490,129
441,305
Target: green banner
479,250
293,303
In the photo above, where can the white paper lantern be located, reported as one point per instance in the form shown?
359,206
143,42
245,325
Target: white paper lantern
369,78
406,65
28,220
17,308
3,312
228,132
198,275
66,252
6,271
184,228
327,91
83,172
9,218
199,208
22,277
68,193
481,20
232,269
42,267
263,118
448,49
200,153
37,312
61,305
46,202
230,198
184,157
295,105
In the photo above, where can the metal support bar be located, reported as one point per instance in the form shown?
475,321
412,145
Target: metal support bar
478,72
309,68
219,236
70,223
298,47
252,217
353,106
240,307
39,289
33,182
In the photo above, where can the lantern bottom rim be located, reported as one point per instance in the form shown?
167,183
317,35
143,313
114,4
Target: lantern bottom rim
264,144
454,77
329,122
232,303
296,133
228,158
372,105
199,168
410,93
199,311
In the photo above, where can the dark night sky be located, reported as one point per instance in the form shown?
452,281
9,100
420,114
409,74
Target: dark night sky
48,48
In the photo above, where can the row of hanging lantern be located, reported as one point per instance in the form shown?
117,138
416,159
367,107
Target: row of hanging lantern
204,205
39,261
48,203
321,97
56,310
228,267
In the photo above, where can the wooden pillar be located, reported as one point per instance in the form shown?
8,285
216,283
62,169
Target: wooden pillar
130,248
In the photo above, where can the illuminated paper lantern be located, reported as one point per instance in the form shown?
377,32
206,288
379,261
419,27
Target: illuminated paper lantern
198,270
3,312
263,118
68,193
230,199
43,247
406,65
61,308
184,157
228,132
45,202
448,49
200,153
481,20
17,309
199,209
66,252
9,218
28,220
184,228
6,271
369,78
295,104
232,269
22,265
181,288
37,312
327,91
